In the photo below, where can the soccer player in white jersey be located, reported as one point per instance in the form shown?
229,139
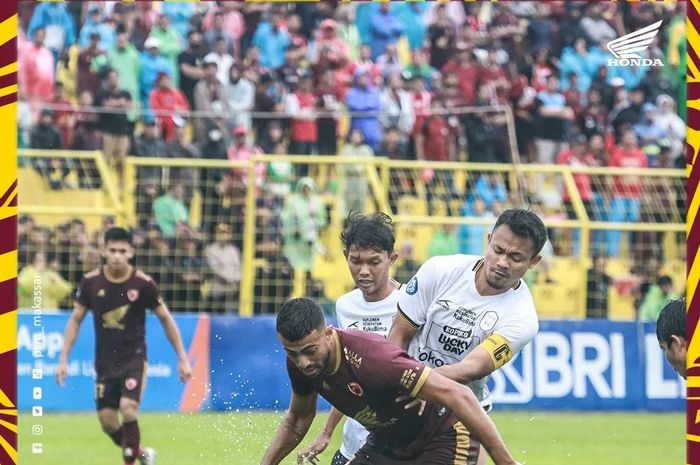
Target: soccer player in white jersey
468,315
368,246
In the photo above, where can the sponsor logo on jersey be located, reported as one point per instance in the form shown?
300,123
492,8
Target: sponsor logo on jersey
373,324
354,325
101,293
352,357
408,378
368,418
465,315
131,383
453,345
356,389
132,295
431,358
488,321
412,286
457,332
444,304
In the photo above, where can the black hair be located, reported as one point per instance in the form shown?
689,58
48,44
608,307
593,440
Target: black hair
664,280
671,321
116,234
298,318
374,231
525,224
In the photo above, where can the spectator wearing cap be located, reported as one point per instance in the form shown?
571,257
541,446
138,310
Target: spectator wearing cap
167,102
224,23
464,66
114,123
221,57
54,19
151,64
241,96
300,106
396,105
95,23
242,150
210,96
125,58
190,63
364,98
347,31
88,76
36,68
224,261
170,43
384,28
627,190
271,40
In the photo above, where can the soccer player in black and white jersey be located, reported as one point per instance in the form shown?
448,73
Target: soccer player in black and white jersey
368,246
118,295
466,315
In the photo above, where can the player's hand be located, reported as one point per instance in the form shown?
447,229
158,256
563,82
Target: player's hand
61,373
413,402
310,454
185,370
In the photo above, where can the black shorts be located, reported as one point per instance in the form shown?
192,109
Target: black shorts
455,446
109,391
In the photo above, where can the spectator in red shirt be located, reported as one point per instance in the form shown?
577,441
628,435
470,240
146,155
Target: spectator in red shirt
88,79
440,148
304,133
170,101
466,69
421,108
242,150
627,189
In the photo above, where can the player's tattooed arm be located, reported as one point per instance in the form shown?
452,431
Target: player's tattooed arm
294,426
69,337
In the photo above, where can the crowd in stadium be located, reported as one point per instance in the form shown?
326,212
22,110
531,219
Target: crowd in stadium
227,80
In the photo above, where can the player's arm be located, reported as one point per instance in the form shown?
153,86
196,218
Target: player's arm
323,439
402,330
69,336
294,426
461,400
173,335
477,364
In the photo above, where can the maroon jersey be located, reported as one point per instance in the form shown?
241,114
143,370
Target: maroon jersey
370,374
119,314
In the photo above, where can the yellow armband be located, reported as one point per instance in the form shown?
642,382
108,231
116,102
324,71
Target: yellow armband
499,350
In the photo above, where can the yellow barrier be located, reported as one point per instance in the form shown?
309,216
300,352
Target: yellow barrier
397,187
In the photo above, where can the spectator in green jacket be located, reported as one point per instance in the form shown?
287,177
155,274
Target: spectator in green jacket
170,209
656,299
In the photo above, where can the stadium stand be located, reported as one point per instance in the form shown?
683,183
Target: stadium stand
463,111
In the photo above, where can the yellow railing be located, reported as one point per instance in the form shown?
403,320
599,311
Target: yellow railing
380,174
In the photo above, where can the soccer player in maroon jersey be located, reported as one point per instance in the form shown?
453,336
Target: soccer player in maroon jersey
118,295
361,374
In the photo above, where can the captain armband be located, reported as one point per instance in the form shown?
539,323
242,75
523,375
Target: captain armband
499,350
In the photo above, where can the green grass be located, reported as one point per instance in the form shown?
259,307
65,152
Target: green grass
535,438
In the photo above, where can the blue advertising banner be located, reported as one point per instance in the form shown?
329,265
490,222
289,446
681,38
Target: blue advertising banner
590,365
239,364
39,344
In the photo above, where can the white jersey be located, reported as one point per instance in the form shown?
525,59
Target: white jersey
452,318
354,312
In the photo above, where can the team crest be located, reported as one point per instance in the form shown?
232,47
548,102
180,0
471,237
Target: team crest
131,383
412,287
132,295
101,293
356,389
